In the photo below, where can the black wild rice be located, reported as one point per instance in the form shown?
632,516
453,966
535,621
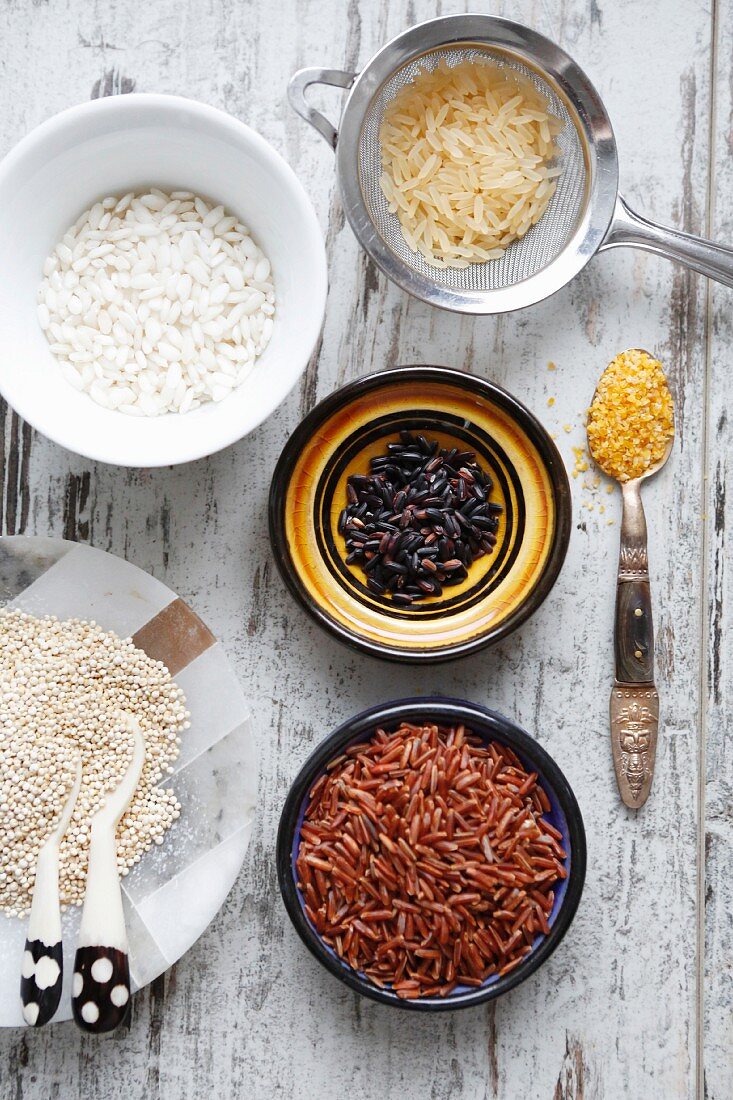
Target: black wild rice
417,522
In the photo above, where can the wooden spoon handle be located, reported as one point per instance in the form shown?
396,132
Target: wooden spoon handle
634,634
634,699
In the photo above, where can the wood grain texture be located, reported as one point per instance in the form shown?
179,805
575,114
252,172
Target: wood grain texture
634,641
716,886
616,1012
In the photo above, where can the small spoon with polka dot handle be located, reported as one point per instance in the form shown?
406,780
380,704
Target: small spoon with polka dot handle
100,997
42,970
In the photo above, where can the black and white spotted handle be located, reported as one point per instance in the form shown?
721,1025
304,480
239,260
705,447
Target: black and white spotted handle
42,969
100,990
40,982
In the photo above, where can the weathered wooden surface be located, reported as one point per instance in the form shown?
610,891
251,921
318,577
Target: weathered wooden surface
618,1010
716,838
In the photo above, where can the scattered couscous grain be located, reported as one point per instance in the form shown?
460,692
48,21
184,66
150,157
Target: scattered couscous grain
631,420
550,401
581,461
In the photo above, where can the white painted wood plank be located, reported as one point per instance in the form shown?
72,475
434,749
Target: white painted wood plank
247,1010
717,836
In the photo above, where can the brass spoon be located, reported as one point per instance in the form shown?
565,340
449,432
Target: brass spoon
634,709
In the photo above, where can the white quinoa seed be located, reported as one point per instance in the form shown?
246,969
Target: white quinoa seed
62,688
146,282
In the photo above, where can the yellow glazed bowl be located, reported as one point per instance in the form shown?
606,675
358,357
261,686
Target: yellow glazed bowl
341,435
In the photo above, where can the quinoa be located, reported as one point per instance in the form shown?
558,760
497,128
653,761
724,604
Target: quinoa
631,420
63,686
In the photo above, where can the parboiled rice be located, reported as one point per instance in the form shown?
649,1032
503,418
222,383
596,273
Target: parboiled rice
468,161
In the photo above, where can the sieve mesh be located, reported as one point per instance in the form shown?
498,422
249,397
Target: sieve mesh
542,243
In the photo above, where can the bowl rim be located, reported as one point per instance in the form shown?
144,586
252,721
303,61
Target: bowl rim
443,709
536,431
163,104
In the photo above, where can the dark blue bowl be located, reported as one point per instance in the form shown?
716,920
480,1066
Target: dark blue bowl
564,815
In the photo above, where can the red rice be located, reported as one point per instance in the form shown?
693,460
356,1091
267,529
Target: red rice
425,860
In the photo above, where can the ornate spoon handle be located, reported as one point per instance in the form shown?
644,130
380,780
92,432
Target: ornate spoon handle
634,707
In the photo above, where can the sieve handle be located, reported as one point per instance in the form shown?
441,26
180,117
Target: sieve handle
630,229
297,88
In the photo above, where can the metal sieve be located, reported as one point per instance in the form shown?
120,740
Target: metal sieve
585,215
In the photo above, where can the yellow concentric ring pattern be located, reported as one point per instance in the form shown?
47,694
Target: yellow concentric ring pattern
356,610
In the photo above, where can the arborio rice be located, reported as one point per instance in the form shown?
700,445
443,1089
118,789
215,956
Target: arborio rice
156,302
468,161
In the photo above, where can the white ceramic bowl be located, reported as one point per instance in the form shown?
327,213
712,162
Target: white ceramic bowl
110,146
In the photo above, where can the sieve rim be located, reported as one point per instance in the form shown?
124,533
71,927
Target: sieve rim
586,111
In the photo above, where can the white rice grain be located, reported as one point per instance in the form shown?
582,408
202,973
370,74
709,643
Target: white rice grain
156,303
